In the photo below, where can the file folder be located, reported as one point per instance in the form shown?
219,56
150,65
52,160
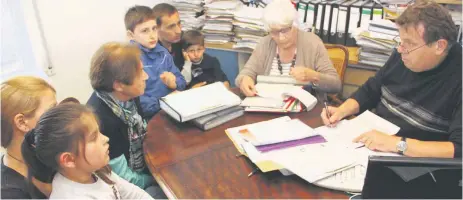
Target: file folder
311,16
302,7
377,13
354,14
320,20
344,22
366,14
327,21
332,37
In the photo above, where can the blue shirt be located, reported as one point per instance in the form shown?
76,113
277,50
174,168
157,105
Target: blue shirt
155,62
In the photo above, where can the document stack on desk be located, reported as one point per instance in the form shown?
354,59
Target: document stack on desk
251,140
198,102
319,163
279,98
279,135
215,119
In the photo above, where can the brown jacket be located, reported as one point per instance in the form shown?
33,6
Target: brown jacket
311,53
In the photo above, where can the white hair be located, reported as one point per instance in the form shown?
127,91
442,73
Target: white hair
279,12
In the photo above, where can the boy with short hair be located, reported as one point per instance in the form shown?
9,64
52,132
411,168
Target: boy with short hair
200,68
164,76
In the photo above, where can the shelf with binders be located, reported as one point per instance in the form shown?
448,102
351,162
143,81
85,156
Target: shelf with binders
335,21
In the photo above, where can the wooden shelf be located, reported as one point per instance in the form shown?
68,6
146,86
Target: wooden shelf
457,2
227,47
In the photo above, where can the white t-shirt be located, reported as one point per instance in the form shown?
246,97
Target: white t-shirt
63,188
286,67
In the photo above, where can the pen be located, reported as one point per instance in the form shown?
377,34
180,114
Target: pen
253,172
327,112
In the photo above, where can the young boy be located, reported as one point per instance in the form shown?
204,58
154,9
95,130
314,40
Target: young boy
164,76
199,69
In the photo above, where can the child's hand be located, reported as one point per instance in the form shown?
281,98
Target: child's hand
185,56
197,85
169,79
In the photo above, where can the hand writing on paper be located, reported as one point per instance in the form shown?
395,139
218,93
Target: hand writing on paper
248,87
169,79
336,114
197,85
378,141
304,74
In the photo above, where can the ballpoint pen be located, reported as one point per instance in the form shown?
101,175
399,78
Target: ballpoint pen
253,172
326,110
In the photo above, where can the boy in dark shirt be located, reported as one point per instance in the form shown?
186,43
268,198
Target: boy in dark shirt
199,69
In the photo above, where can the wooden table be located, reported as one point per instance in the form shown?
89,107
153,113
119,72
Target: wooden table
189,163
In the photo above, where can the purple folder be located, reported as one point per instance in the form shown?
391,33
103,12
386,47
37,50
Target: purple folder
310,140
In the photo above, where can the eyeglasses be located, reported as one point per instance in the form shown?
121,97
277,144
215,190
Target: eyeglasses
192,51
398,43
281,31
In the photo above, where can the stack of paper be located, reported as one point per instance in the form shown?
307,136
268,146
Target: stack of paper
248,27
205,102
275,133
218,26
215,119
312,161
191,13
279,98
376,42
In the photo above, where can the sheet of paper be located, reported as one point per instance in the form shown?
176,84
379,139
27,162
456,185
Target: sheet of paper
347,130
262,102
271,133
314,162
238,139
272,91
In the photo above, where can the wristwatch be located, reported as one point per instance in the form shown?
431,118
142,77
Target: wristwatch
402,146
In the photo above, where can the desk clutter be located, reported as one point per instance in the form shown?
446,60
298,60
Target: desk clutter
214,104
279,98
322,156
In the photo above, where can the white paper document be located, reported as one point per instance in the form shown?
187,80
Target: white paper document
283,131
315,162
347,130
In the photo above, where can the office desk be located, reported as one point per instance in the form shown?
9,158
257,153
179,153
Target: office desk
188,163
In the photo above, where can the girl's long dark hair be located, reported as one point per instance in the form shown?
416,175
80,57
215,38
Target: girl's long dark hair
58,130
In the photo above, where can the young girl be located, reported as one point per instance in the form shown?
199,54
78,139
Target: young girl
67,149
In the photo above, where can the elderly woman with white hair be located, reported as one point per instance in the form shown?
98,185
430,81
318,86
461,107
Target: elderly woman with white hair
288,51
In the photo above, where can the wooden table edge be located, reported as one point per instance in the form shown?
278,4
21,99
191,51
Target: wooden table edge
161,182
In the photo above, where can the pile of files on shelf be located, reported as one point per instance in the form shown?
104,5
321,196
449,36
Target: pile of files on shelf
218,27
376,42
335,20
248,27
191,13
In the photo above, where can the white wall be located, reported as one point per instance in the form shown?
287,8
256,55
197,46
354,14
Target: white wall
73,30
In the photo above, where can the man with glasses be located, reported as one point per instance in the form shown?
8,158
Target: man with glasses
418,89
